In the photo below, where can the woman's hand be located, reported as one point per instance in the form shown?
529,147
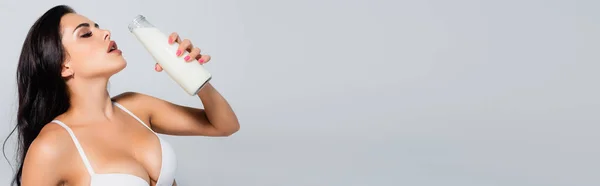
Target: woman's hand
185,45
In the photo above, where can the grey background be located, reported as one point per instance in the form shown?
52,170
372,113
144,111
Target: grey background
332,92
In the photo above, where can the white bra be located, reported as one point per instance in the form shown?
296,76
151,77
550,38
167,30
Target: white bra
167,170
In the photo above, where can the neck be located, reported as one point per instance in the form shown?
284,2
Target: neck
90,100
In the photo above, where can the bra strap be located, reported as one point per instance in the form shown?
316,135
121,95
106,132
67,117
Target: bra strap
88,166
133,115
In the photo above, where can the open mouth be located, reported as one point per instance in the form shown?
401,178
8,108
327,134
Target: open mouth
112,47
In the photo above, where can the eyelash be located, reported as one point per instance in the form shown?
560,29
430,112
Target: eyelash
86,35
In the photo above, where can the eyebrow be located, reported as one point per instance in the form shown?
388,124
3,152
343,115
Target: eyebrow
85,25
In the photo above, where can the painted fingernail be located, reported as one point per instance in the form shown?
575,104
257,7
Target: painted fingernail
170,40
155,67
178,52
201,60
187,58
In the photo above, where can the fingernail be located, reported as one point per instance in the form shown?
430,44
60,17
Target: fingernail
178,52
155,67
201,60
186,58
170,40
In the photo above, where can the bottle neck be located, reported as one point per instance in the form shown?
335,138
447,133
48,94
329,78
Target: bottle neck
139,22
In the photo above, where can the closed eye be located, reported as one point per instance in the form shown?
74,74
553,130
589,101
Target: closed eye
85,25
86,35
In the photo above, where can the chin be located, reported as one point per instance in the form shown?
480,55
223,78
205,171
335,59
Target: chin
121,65
116,66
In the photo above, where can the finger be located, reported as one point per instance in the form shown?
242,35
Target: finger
194,54
204,59
174,38
184,45
158,68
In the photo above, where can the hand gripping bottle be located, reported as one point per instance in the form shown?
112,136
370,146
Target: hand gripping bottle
191,76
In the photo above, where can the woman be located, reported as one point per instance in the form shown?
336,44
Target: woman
71,132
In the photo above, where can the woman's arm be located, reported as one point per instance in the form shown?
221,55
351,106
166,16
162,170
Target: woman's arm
216,119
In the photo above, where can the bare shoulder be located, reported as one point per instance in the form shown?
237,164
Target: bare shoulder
50,144
140,103
135,98
48,151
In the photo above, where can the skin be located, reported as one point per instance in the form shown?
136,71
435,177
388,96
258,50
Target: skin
113,141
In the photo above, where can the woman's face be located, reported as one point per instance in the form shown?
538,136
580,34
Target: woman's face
90,51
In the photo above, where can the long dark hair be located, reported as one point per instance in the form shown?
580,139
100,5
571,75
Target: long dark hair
42,90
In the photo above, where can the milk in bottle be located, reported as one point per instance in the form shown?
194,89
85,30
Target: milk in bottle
191,76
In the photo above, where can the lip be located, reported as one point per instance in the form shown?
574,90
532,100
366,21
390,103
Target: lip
116,50
111,45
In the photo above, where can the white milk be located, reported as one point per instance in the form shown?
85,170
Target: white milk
191,76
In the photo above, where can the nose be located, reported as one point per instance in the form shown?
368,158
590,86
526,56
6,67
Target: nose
106,35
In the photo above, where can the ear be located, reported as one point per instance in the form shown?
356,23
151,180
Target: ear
67,71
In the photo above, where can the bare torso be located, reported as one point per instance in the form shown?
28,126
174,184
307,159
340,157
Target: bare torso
122,145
